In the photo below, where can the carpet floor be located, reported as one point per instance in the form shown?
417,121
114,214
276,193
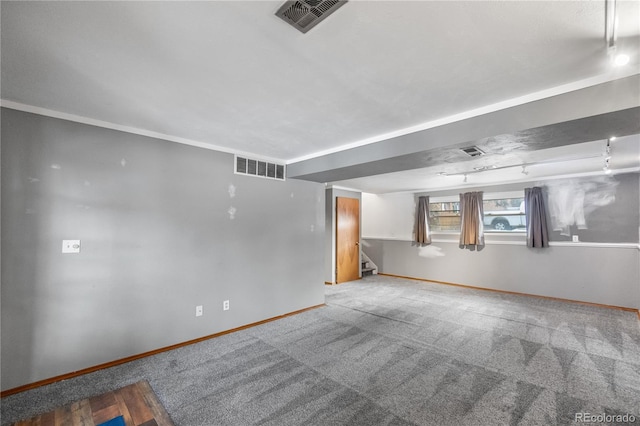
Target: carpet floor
389,351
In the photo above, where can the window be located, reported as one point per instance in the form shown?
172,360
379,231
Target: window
444,216
504,214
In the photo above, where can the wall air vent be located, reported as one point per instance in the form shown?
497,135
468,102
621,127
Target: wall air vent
259,168
306,14
472,151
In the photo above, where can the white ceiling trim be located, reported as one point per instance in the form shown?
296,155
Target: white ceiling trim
342,188
613,74
128,129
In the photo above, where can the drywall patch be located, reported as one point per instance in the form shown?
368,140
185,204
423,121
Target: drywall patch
572,201
232,212
123,162
232,191
312,228
87,183
33,180
55,166
430,252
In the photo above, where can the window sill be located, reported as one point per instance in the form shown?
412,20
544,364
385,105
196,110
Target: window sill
512,240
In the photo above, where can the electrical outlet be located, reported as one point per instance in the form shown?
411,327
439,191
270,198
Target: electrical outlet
71,246
199,310
225,305
575,239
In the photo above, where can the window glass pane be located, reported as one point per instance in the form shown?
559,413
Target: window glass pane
504,215
444,216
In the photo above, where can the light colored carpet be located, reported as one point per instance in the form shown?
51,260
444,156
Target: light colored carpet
388,351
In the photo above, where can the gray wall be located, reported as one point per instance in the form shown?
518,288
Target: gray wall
604,275
611,207
157,240
330,230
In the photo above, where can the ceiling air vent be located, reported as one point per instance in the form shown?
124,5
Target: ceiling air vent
306,14
472,151
259,168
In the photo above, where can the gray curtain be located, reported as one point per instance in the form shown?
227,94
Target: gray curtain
471,216
534,209
422,231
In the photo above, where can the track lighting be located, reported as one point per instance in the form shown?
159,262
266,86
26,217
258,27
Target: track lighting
525,167
611,35
607,157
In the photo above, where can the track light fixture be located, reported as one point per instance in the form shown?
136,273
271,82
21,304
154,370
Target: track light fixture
607,157
525,167
610,24
611,34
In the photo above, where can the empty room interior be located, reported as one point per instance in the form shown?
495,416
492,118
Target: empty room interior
320,212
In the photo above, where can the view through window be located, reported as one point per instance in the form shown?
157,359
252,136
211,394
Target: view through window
500,215
444,216
504,214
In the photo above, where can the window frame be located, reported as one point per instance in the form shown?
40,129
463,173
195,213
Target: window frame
487,196
503,196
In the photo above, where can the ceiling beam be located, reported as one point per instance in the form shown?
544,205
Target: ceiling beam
592,113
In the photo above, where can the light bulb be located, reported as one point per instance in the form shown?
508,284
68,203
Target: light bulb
621,60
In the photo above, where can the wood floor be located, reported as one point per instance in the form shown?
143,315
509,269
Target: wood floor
137,403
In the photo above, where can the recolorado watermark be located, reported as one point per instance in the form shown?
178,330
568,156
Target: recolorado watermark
604,418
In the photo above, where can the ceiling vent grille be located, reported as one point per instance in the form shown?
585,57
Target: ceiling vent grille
472,151
306,14
259,168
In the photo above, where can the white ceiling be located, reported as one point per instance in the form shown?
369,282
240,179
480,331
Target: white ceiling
233,76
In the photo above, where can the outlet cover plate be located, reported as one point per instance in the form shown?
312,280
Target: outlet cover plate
71,246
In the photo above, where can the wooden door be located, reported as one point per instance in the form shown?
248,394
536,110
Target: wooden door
347,239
